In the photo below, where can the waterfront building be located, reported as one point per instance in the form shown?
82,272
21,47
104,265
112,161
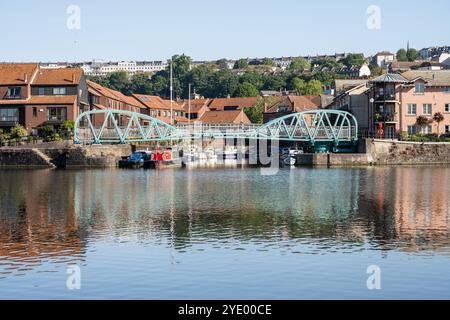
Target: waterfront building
35,97
164,110
225,117
230,104
294,104
195,108
101,98
398,100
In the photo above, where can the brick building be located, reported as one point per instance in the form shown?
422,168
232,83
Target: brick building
34,97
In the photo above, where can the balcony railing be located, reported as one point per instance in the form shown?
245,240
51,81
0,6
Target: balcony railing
385,118
385,97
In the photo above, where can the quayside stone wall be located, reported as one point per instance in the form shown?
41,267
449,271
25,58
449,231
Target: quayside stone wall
64,156
18,157
405,153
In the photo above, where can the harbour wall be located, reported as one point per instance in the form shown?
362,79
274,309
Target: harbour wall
383,152
64,156
371,152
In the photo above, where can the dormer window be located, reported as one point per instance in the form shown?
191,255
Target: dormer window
419,88
59,91
14,93
283,109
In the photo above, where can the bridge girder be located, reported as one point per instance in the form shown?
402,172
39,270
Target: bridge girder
309,126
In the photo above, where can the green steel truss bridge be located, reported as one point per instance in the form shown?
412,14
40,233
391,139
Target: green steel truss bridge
331,127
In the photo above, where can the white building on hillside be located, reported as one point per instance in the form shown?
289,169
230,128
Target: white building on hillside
98,68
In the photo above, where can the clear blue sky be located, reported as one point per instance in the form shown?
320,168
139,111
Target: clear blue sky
213,29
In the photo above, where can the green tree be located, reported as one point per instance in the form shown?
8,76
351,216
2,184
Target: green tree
438,118
140,83
354,59
67,129
222,64
160,84
268,62
299,65
181,66
255,113
199,78
222,84
298,85
18,132
401,55
119,81
246,90
423,121
375,70
327,63
313,87
3,137
412,54
241,64
254,78
326,78
275,82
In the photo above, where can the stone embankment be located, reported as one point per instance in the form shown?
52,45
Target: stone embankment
383,152
63,155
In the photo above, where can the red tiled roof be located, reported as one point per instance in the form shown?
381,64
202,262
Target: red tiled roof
109,93
299,103
63,76
221,103
155,102
181,119
17,73
196,104
98,90
224,117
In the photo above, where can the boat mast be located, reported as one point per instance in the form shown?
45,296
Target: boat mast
171,93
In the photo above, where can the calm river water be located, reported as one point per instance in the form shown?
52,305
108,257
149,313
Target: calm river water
225,234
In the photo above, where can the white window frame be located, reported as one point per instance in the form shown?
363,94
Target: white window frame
425,106
412,130
59,91
419,85
447,108
410,107
428,129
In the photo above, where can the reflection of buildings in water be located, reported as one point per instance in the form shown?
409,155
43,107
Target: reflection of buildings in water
38,221
410,205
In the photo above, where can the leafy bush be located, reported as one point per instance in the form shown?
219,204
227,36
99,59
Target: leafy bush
46,133
18,132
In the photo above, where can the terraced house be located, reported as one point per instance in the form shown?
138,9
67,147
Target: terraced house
34,97
397,100
164,110
101,98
